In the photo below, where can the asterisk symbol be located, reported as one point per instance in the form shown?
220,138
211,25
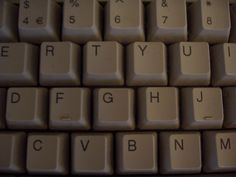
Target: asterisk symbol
208,3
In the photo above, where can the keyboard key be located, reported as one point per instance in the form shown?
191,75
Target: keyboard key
223,64
136,153
39,21
81,21
92,154
167,21
103,64
189,64
8,21
146,64
70,108
40,146
229,94
121,25
12,151
18,64
158,108
202,108
180,152
30,104
233,24
59,64
209,20
2,107
219,151
113,109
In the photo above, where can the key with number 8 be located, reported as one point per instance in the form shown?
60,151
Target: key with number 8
209,21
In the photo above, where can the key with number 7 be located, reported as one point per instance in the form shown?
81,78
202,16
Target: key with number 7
167,21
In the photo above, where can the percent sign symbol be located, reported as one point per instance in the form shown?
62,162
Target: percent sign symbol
74,3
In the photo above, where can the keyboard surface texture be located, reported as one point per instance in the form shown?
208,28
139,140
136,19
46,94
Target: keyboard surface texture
118,88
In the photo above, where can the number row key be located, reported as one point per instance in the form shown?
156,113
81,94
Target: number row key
82,21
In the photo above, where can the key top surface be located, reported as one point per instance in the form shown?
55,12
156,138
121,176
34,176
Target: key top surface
146,64
219,152
229,95
202,108
180,152
70,108
167,21
136,153
12,152
82,21
189,64
92,153
3,93
42,146
121,25
39,21
8,22
103,64
223,57
209,21
18,64
27,108
158,108
60,64
113,109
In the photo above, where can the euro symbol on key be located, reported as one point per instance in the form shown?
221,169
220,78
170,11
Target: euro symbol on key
164,3
39,20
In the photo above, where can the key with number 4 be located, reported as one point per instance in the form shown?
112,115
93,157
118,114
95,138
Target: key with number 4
39,20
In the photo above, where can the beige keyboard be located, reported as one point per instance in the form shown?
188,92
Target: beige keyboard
118,88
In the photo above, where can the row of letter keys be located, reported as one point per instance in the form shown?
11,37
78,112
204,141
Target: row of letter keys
167,21
114,108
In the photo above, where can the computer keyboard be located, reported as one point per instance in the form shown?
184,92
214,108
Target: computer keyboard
118,88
